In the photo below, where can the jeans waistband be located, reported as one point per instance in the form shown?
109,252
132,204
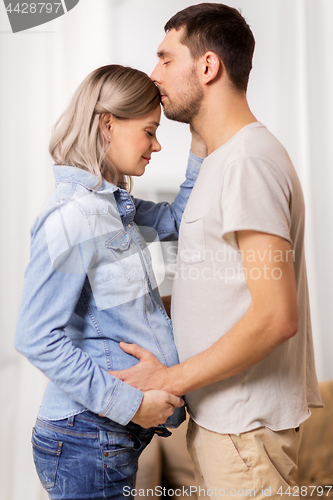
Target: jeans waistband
101,423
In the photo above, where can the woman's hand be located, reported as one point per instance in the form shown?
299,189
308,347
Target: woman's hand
198,146
155,408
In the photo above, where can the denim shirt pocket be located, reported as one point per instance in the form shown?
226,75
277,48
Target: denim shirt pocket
128,255
192,246
119,242
117,279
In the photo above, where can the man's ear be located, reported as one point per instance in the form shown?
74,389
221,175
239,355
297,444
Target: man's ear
106,122
211,66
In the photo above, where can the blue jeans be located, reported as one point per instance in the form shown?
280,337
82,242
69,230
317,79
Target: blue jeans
88,457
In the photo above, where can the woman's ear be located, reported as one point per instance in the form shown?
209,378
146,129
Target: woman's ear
106,122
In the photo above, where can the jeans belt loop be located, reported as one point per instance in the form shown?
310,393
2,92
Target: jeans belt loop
70,421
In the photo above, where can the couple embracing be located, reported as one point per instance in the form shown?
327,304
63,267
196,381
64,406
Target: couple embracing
239,349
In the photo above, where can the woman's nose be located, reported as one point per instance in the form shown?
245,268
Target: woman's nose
156,146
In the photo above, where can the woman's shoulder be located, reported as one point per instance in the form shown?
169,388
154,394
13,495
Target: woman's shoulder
78,207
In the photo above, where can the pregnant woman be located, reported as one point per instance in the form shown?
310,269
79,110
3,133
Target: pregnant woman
90,285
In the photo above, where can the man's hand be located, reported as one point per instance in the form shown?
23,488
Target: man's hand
148,374
155,408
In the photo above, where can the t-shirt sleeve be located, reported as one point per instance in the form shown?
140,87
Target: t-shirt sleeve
255,196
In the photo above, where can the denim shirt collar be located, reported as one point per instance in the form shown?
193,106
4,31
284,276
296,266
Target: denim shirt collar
66,173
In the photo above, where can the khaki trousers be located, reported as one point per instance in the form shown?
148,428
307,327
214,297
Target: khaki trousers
261,463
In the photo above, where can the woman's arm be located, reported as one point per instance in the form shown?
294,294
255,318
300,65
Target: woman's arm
165,217
54,282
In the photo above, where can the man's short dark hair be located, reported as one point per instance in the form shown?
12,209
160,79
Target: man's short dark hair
220,29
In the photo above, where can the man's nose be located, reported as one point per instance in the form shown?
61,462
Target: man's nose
155,76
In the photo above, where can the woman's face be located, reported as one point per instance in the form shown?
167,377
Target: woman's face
133,141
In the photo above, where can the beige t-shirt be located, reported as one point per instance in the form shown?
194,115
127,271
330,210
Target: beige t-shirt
249,183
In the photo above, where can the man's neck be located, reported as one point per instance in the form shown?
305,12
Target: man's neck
221,118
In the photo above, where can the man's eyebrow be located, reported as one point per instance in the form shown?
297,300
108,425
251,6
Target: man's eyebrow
163,53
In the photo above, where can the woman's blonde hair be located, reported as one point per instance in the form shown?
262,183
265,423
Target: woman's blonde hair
77,139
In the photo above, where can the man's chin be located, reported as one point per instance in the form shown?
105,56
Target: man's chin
174,116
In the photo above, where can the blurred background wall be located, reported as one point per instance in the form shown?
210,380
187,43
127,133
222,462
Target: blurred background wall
290,92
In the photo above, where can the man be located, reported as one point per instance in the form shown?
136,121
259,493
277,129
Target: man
240,304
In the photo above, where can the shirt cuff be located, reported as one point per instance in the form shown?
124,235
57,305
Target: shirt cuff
193,166
124,403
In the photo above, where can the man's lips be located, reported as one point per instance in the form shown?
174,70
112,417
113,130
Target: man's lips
146,158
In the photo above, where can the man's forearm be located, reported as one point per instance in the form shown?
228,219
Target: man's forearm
247,343
271,319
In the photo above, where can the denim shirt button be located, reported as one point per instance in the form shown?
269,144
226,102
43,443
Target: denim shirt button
128,225
128,207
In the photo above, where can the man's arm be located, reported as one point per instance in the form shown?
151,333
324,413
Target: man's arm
271,319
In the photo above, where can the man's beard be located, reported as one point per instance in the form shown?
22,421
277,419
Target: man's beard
189,108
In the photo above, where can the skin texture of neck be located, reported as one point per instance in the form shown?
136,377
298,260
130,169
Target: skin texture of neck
223,113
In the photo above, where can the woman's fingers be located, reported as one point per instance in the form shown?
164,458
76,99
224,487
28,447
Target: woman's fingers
175,401
155,408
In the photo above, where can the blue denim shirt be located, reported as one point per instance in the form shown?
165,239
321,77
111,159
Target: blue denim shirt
90,285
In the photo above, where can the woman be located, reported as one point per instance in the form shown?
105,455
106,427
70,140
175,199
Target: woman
90,285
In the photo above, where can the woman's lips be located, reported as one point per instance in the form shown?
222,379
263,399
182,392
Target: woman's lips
146,158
